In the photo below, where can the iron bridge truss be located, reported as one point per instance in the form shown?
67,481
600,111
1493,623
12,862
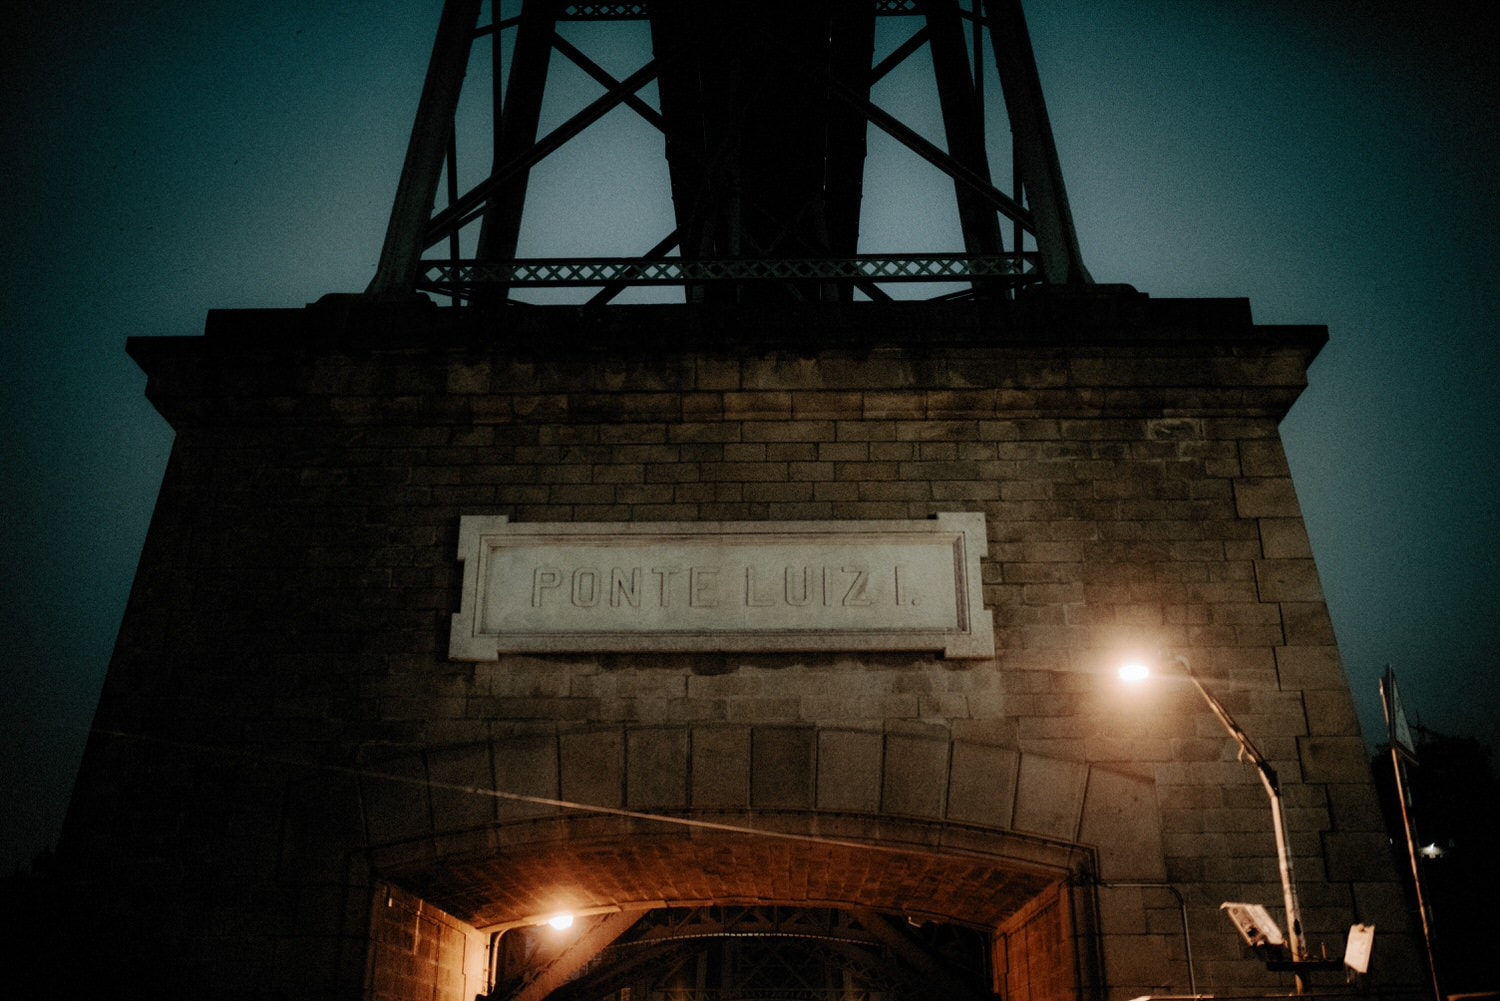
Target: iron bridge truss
460,276
748,953
422,250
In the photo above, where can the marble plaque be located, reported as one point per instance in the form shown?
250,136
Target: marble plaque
730,586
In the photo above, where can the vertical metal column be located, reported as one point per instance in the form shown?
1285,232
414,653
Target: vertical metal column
962,123
501,228
765,113
1035,150
400,257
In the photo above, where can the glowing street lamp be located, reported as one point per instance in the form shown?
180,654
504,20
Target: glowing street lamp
1136,672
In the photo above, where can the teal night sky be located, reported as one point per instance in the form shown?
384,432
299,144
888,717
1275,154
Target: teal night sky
1334,162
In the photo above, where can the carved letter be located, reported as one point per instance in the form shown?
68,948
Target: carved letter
664,577
700,587
618,588
751,598
585,587
856,595
543,579
805,596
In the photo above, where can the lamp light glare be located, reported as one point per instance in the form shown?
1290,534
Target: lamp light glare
561,921
1134,672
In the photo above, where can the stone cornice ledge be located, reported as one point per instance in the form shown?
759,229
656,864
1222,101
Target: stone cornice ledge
1095,352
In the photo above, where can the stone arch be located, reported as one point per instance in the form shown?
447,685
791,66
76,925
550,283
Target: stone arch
441,817
905,820
925,870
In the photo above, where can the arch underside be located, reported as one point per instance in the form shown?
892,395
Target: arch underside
522,871
627,828
703,903
761,952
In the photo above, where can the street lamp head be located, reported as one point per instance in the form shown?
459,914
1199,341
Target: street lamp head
1139,667
1138,670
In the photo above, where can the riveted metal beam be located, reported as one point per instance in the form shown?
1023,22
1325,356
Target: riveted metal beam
589,944
766,179
1035,150
505,196
400,257
448,276
962,123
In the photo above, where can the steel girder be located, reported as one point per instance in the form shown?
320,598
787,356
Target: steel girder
766,176
741,953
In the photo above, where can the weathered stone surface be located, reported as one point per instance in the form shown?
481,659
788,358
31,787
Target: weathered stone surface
526,765
1284,538
850,766
721,766
1266,498
982,785
1287,580
1311,667
1334,759
1049,796
397,804
691,586
916,773
590,766
1330,713
462,783
657,773
1135,959
293,596
1120,816
781,766
322,817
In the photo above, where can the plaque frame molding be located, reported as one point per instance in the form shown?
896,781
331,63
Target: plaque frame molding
970,634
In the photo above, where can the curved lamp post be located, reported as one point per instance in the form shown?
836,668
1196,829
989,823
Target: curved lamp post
1136,672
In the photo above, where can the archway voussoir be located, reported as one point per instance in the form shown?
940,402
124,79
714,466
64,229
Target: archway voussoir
982,784
656,768
781,767
720,766
395,797
1049,796
462,787
850,770
1120,815
591,766
526,764
916,775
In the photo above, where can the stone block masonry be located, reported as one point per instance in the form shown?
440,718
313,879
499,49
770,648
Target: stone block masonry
282,733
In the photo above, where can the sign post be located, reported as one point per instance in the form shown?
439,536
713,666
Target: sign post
1403,749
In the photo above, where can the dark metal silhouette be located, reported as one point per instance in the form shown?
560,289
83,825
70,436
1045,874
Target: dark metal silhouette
764,109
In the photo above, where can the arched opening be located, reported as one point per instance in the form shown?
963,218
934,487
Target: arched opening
789,906
751,953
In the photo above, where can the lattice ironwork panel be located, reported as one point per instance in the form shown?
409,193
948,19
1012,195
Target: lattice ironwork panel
448,276
604,12
640,11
